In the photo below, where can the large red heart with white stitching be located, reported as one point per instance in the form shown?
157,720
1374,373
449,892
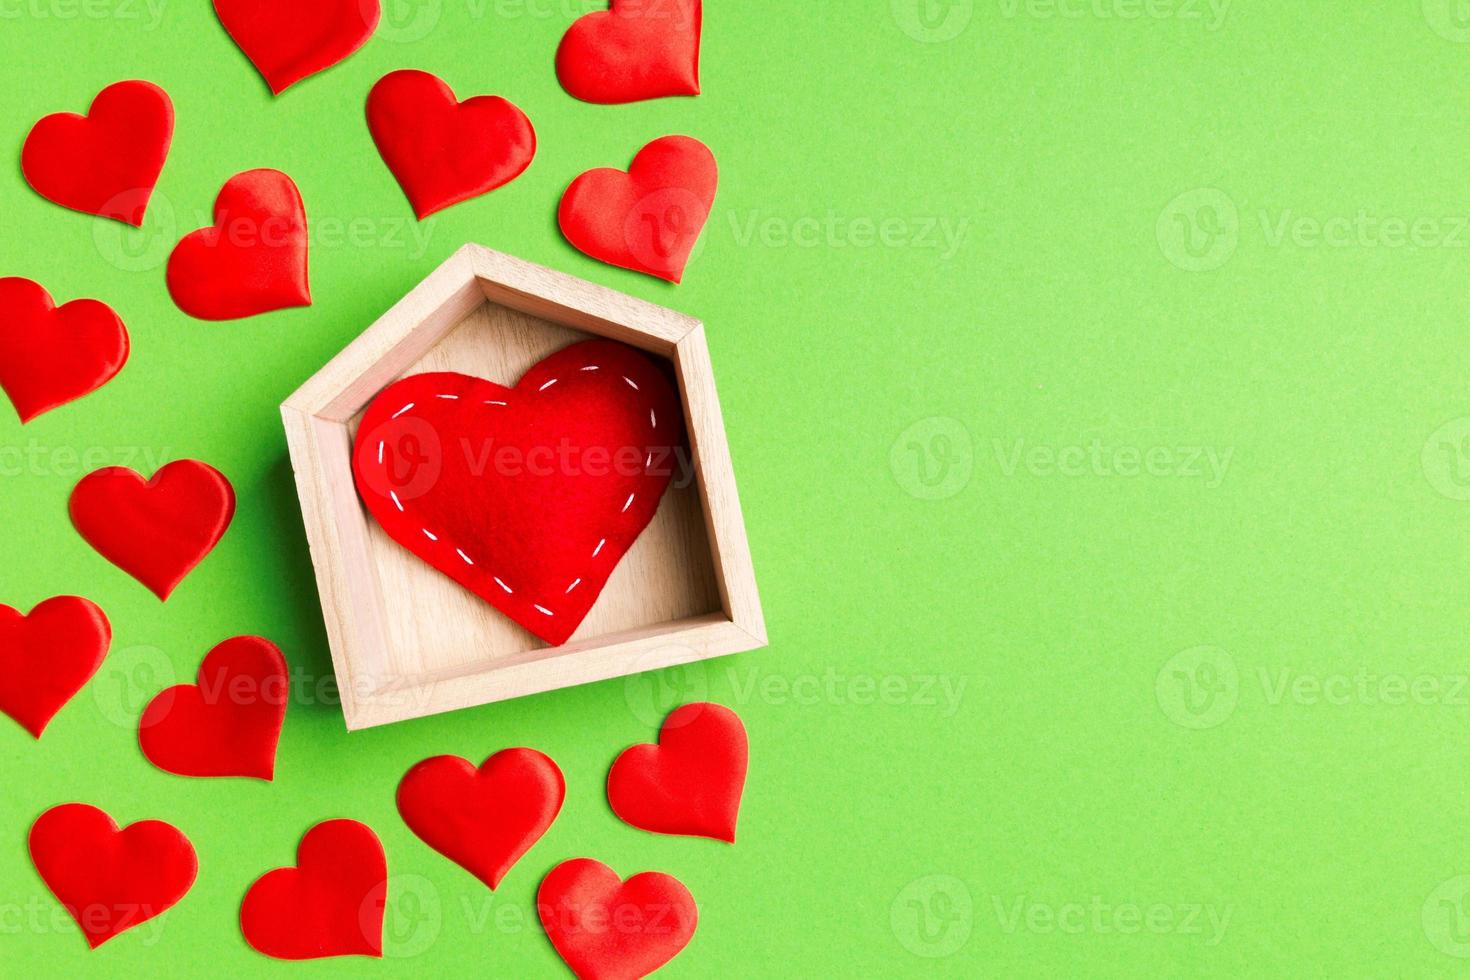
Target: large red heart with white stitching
527,496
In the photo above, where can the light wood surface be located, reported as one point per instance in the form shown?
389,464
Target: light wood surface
408,641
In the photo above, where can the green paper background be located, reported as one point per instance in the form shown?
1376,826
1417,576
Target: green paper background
1096,377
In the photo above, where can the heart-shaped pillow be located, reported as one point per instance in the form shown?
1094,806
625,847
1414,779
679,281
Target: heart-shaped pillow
330,904
444,151
52,355
632,51
288,40
609,929
110,880
46,657
156,530
106,162
527,496
482,819
649,218
252,260
690,783
228,723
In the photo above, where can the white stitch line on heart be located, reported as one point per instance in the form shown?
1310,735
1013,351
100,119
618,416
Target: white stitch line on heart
647,463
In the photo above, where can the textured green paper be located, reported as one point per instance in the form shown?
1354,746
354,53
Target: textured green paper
1097,378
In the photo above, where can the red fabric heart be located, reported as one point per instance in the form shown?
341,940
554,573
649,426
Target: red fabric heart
608,929
443,151
46,657
106,162
482,819
649,218
226,725
633,51
691,781
527,496
288,40
330,904
252,259
109,879
51,356
155,530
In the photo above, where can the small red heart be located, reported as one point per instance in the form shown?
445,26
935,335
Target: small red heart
691,781
633,51
46,657
109,879
226,725
288,40
155,530
482,819
527,496
608,929
330,904
252,259
51,356
443,151
649,218
106,162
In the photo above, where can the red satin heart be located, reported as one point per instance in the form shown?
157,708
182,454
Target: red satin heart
635,50
155,530
527,496
252,259
287,40
482,819
50,356
330,904
608,929
46,657
443,151
106,162
649,218
226,725
110,880
691,781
